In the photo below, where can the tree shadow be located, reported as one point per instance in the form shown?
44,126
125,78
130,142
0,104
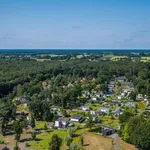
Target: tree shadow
86,144
9,133
76,135
29,139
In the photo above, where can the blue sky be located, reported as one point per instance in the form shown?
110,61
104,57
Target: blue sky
75,24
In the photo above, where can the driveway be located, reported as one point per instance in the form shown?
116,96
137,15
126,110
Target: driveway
115,141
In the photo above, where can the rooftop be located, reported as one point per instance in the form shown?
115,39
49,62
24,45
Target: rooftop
77,116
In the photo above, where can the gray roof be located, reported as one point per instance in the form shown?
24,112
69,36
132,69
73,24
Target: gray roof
77,116
62,119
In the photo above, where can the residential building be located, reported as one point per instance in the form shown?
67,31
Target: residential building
85,108
76,118
117,111
130,104
61,122
106,131
104,110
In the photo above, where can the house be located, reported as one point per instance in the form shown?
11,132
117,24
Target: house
111,85
102,98
44,83
92,101
83,79
22,100
94,118
130,104
22,114
121,79
55,109
92,112
117,111
124,93
110,103
148,102
76,118
70,85
85,108
140,97
104,110
106,131
116,101
120,97
61,122
51,125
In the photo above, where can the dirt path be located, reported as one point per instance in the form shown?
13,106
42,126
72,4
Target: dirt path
116,142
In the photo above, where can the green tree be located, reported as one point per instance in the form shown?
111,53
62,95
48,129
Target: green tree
71,131
89,123
45,126
125,133
16,147
33,135
64,112
74,146
55,142
18,129
32,123
81,140
68,140
132,95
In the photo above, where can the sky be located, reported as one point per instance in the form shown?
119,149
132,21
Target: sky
77,24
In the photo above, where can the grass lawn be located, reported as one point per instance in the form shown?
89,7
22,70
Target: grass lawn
44,138
40,124
95,106
106,120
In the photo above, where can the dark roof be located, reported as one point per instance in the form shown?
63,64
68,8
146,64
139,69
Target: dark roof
62,119
106,127
77,117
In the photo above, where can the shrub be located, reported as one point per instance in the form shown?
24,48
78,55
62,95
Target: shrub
27,144
1,142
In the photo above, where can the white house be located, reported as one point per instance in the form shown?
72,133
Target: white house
61,122
85,108
119,97
104,110
130,104
94,98
140,97
76,118
92,112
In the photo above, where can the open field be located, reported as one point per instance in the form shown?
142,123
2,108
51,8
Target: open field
44,138
145,59
95,142
116,58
